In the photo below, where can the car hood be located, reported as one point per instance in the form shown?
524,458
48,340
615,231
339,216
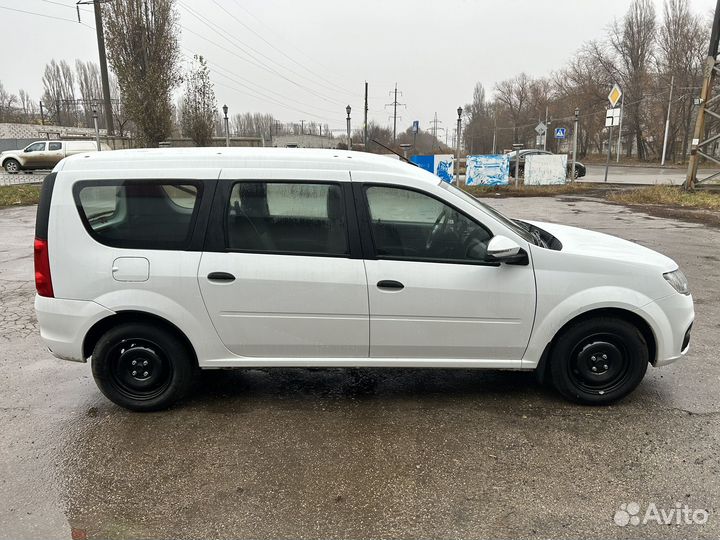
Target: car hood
594,244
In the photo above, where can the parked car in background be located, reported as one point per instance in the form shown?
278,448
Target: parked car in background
579,167
153,263
44,154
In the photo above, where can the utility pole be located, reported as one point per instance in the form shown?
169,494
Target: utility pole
494,148
667,121
103,60
457,148
705,101
302,127
435,123
547,128
394,105
365,120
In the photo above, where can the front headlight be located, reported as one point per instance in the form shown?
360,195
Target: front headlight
678,281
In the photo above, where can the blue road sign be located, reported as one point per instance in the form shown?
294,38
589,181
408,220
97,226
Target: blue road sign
559,133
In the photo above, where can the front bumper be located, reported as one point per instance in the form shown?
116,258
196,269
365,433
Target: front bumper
65,323
672,319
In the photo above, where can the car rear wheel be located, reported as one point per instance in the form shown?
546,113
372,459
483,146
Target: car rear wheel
12,166
599,361
142,367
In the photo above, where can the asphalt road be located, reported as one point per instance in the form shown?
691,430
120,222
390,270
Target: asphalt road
297,453
640,175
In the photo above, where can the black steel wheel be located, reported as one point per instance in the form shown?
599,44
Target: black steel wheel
142,367
598,361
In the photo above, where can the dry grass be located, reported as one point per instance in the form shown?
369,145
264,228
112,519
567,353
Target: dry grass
667,196
529,191
19,195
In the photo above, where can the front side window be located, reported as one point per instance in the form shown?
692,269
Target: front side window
139,214
407,224
287,217
36,147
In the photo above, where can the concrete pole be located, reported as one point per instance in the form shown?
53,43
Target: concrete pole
607,164
457,148
97,131
575,136
103,68
667,121
365,140
622,113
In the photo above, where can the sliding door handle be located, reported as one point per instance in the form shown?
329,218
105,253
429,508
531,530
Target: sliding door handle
390,284
220,276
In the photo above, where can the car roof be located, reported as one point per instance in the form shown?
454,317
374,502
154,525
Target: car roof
239,158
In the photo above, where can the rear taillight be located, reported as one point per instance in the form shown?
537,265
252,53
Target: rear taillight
43,281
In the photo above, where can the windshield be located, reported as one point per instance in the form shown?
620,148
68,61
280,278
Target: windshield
508,222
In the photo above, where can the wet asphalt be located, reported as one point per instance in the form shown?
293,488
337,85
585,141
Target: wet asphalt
332,453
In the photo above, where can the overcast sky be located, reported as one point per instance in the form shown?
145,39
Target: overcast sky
308,59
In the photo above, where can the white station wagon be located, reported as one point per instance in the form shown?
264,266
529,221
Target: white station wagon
154,263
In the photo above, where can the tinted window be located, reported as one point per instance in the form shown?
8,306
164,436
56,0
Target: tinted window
54,146
407,224
288,217
139,214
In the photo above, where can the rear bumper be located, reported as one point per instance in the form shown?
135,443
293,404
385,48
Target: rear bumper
65,323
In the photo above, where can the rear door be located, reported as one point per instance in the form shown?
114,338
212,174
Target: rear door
282,274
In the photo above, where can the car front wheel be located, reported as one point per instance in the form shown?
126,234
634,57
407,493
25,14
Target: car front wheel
599,361
12,166
142,367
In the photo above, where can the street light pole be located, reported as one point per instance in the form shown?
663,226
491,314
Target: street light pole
667,122
575,136
457,148
349,144
97,131
227,126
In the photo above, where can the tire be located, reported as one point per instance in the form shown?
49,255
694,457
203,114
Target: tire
598,361
12,166
166,362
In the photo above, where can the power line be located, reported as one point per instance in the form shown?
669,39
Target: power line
283,52
46,16
232,40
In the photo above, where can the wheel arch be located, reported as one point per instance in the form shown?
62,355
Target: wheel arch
613,312
103,325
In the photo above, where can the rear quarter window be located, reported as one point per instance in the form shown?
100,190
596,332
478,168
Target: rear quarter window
139,214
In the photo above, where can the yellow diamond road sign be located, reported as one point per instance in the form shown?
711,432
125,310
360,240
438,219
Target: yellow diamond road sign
614,95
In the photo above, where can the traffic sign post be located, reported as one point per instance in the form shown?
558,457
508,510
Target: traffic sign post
612,118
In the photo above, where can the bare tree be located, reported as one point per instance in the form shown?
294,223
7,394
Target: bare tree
90,85
143,50
59,95
198,111
632,40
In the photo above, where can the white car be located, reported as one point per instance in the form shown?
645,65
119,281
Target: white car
153,263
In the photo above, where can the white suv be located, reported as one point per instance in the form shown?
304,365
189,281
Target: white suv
153,263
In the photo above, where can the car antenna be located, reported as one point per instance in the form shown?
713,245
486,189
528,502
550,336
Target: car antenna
394,152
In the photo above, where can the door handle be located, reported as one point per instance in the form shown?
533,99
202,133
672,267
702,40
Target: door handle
390,284
220,276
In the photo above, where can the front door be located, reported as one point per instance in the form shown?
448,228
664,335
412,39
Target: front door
35,155
286,281
434,293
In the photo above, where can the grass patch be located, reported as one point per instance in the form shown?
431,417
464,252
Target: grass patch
667,196
529,191
19,195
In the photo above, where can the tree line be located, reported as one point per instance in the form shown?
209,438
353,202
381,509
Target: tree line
641,52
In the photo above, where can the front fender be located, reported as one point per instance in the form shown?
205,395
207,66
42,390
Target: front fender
551,317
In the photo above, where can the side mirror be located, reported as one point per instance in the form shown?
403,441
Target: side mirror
502,248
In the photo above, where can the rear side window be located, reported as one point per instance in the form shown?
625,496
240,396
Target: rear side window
54,146
287,217
139,214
